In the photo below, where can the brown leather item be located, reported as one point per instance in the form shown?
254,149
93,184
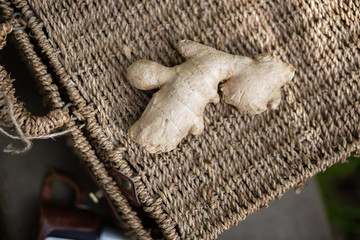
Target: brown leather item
47,189
126,186
65,219
53,218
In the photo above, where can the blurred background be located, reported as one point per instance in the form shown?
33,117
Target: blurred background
339,187
327,207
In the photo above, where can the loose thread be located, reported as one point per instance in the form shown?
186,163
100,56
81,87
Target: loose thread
28,144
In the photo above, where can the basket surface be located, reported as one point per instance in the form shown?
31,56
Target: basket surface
239,163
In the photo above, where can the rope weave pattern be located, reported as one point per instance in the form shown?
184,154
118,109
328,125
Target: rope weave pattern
30,125
5,29
240,163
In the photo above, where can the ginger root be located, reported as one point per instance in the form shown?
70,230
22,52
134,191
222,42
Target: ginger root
256,86
178,107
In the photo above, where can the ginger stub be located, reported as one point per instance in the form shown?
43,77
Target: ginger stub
251,85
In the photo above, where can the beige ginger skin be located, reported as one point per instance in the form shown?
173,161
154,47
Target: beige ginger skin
251,85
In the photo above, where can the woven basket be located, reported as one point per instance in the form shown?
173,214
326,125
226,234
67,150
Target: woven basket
80,50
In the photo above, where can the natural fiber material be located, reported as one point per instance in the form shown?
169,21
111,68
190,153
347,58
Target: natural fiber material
15,115
5,29
31,125
239,163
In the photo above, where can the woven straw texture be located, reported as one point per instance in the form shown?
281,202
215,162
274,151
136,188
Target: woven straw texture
80,51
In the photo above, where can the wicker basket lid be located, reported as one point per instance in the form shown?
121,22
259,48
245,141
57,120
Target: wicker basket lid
239,163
